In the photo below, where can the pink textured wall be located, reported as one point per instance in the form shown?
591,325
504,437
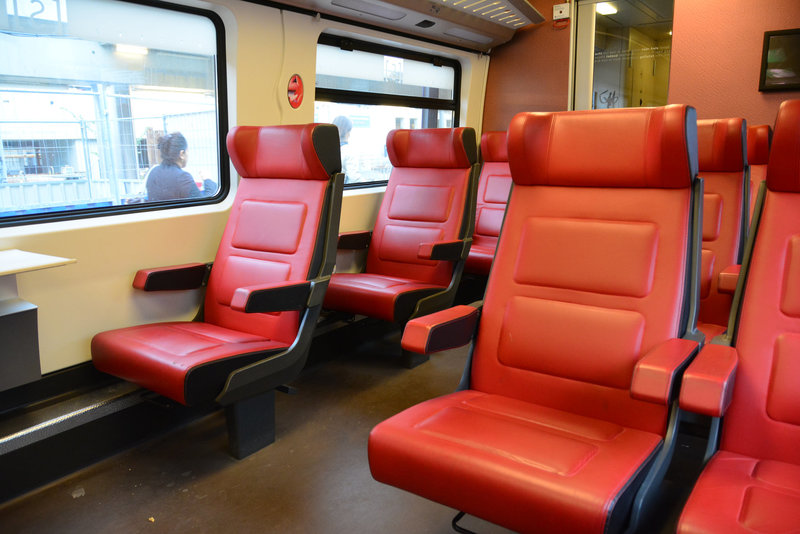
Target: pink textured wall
716,56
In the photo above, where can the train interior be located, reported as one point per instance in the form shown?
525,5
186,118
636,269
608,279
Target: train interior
256,386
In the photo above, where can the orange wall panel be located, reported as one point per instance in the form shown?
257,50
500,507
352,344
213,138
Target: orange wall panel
530,73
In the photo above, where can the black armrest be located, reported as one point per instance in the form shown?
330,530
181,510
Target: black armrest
442,330
281,296
444,250
188,276
355,240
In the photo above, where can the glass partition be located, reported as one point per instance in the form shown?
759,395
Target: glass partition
623,53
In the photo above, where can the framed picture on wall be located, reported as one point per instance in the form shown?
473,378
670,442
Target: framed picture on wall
780,61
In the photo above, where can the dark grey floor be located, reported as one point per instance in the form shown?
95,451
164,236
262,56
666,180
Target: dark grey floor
313,479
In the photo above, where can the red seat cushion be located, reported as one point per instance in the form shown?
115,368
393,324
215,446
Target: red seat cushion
480,259
419,206
576,159
753,483
759,137
588,277
285,176
250,255
518,464
763,420
758,141
164,357
494,186
737,493
425,202
375,295
534,308
722,166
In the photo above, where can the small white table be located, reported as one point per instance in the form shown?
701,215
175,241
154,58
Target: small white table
19,333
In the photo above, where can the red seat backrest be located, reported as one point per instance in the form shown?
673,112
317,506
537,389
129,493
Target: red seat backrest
283,189
494,187
425,201
758,141
591,268
763,420
721,154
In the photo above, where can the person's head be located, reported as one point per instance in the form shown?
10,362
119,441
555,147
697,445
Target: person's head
345,125
173,149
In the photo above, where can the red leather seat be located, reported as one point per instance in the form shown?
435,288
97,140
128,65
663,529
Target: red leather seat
423,229
565,419
264,291
723,165
494,186
758,141
752,484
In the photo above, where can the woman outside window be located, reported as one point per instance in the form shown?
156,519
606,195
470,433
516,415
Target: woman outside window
168,180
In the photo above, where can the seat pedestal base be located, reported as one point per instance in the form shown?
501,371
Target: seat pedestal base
412,359
251,424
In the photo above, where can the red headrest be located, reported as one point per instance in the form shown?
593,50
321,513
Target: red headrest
629,147
494,146
300,151
783,171
721,145
758,139
441,148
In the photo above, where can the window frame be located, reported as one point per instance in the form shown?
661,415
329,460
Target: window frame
221,90
344,96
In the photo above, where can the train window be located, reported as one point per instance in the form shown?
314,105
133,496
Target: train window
623,53
368,89
88,88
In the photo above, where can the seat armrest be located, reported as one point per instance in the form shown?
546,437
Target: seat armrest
728,278
657,373
708,382
444,250
442,330
354,240
187,276
277,297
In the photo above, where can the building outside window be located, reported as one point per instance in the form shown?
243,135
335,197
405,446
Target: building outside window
366,90
87,88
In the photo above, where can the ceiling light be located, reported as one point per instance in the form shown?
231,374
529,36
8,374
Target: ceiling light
501,12
604,8
131,49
